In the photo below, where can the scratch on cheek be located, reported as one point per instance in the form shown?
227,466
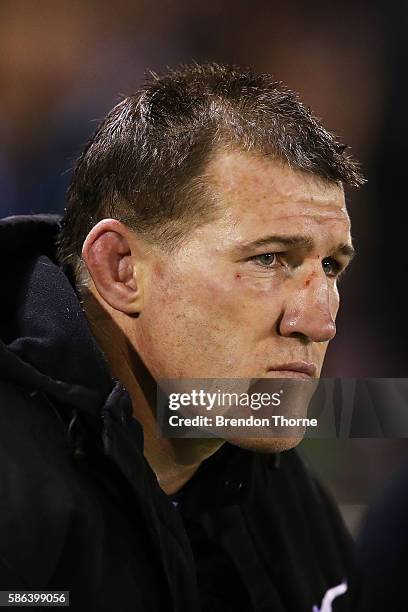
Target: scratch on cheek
309,280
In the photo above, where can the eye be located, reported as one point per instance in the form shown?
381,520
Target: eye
331,266
266,260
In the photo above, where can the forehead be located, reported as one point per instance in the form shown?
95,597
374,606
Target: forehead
259,192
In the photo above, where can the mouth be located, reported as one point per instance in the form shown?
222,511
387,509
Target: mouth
294,369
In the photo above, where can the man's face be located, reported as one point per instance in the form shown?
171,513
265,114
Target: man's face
253,292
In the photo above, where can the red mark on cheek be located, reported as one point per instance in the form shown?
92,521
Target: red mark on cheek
309,279
237,275
158,270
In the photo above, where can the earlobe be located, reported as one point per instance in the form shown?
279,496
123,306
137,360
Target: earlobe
114,269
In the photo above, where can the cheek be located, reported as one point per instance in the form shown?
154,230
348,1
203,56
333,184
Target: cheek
258,301
189,306
233,304
194,332
256,285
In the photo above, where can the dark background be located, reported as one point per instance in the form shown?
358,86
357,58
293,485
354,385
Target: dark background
64,64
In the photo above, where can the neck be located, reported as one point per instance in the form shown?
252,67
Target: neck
173,460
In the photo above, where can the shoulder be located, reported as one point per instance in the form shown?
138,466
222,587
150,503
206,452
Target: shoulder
383,549
38,488
298,500
28,424
295,479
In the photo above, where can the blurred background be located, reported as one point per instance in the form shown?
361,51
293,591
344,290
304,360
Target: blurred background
64,64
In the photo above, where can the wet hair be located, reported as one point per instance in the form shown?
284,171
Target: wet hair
145,164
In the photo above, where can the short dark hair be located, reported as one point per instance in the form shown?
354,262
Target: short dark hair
143,164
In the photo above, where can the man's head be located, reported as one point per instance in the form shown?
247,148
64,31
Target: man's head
209,210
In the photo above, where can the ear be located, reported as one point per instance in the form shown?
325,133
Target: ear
114,268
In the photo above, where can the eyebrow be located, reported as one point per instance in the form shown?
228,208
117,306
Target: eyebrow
294,241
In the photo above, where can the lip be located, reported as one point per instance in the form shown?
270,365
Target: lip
295,369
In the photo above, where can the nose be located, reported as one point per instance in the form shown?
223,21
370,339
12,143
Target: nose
311,310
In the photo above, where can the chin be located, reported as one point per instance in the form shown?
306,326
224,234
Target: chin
266,445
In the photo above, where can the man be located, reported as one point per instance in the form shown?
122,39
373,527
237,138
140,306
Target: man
204,235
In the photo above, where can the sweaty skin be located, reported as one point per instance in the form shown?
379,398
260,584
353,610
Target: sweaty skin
252,288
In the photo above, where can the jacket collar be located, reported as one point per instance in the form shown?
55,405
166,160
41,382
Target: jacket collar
46,340
225,478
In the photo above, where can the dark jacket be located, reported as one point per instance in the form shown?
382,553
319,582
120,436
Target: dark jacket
80,508
382,551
